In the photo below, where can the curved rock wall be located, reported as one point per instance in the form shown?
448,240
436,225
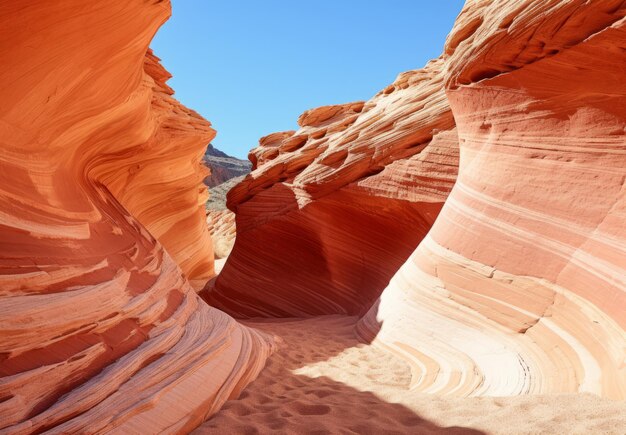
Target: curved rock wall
331,211
160,181
100,329
520,286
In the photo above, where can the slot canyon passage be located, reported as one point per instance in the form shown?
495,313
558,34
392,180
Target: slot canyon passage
446,257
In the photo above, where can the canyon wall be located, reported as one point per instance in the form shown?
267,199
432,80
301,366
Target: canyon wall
101,224
331,211
520,286
160,181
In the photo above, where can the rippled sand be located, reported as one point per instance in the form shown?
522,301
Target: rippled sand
323,380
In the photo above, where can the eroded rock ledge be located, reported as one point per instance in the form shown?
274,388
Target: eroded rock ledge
331,211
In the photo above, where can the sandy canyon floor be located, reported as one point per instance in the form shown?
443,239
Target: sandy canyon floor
322,380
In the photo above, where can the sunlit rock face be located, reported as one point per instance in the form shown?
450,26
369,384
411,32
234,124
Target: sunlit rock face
331,211
99,171
160,181
520,285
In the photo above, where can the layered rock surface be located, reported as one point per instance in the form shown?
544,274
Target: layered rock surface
331,211
221,221
520,286
101,224
160,181
222,227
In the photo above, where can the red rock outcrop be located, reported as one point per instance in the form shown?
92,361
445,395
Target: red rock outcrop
331,211
520,286
99,328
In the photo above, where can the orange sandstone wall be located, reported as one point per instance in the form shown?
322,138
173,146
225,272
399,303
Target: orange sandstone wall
99,328
331,211
520,286
160,181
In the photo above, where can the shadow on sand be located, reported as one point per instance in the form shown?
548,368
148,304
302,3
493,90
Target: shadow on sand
284,400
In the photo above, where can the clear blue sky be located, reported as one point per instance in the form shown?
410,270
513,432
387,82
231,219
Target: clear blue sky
252,67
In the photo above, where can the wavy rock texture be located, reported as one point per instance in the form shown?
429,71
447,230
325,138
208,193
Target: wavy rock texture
100,329
520,286
221,224
160,181
331,211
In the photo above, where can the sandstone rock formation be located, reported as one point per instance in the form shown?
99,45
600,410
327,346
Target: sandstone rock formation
520,286
160,182
223,167
220,220
331,211
221,225
101,224
516,285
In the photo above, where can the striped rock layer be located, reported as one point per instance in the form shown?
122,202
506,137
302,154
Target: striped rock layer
520,286
101,225
221,225
331,211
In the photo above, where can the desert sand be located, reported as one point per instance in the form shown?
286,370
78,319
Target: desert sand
323,380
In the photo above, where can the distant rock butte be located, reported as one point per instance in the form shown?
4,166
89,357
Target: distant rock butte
217,194
223,167
102,221
520,285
